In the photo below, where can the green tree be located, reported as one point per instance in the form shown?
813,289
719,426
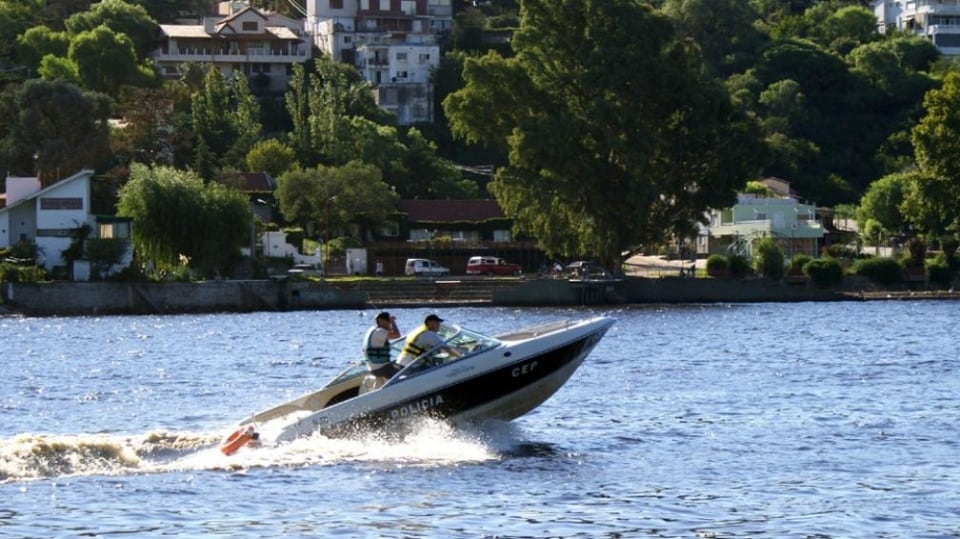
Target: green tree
175,213
106,60
38,42
724,29
615,138
54,68
936,142
883,200
122,17
169,11
146,136
322,103
324,199
270,156
54,126
768,258
430,176
225,122
16,17
303,196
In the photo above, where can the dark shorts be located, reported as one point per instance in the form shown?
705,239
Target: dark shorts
387,370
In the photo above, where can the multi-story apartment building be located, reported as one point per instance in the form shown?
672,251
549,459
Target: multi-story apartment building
937,20
393,43
263,46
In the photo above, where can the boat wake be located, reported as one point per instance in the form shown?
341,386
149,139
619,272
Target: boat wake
29,457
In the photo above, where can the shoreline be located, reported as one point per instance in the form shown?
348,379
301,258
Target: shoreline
108,298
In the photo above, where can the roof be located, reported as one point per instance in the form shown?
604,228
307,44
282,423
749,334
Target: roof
197,31
257,182
451,210
33,196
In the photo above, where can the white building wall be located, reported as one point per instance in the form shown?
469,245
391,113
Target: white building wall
4,230
19,187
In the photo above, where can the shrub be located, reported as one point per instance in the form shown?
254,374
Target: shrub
717,265
939,271
739,266
798,262
12,273
882,270
769,259
837,250
824,272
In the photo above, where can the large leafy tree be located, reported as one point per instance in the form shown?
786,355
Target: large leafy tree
933,202
16,16
38,42
106,60
324,199
724,29
54,126
615,139
322,103
883,200
175,213
120,16
225,123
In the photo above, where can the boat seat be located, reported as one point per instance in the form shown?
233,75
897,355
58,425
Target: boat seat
372,382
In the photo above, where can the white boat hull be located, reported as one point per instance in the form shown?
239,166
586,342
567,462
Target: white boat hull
504,382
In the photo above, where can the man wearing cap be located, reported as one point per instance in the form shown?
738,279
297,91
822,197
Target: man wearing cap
424,339
376,347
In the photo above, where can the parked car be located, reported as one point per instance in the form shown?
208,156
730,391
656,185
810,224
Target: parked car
491,265
424,266
586,269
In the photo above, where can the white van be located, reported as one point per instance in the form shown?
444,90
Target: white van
424,266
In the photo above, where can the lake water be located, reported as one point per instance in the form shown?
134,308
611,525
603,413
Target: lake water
757,420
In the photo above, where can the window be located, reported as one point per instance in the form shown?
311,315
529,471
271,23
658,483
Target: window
118,230
51,203
336,4
390,230
424,58
401,74
250,26
401,57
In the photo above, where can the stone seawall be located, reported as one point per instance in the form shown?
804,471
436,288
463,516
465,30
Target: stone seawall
93,298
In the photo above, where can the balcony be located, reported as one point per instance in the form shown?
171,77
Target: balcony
220,56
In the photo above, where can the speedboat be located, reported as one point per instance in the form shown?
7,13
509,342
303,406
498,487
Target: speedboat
471,378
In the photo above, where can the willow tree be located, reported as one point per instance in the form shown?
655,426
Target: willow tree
175,213
615,138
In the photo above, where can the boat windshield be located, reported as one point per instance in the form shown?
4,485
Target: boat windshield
458,343
463,341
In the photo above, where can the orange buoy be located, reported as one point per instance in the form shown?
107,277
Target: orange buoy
238,439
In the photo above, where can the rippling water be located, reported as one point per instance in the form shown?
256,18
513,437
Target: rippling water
766,420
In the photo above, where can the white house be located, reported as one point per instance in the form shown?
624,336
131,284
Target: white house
936,20
50,217
792,224
245,40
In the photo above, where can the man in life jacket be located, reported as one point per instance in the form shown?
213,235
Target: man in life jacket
376,351
425,339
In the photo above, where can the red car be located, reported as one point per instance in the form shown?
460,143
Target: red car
491,265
